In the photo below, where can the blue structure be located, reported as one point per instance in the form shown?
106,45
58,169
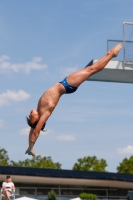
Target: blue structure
67,184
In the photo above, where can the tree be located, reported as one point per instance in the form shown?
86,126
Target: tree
51,195
4,159
37,162
86,196
126,166
90,164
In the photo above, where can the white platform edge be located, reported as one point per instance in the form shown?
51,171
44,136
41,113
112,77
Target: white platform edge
115,71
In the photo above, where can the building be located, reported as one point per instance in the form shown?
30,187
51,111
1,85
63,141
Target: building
67,184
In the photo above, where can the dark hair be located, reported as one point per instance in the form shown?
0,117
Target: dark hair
34,124
8,176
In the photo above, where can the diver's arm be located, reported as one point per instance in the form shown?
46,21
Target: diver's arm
34,133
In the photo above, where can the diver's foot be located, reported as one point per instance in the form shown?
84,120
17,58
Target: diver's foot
115,50
30,152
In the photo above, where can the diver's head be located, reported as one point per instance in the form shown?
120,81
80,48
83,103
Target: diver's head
33,119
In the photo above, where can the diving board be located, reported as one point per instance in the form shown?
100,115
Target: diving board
115,71
120,70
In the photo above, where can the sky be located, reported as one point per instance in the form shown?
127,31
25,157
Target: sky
41,42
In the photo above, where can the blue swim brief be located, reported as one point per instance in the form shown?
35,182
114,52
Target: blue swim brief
69,88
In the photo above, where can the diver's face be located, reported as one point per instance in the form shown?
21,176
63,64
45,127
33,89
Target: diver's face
33,116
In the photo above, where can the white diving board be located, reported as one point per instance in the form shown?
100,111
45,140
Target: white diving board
115,71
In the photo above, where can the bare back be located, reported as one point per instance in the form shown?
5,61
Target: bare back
50,98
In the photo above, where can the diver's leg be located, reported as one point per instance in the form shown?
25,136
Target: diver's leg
80,76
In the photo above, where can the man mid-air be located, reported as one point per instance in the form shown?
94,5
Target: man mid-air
48,101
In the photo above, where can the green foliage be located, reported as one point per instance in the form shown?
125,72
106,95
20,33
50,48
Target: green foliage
4,159
126,166
3,197
86,196
90,164
51,195
37,162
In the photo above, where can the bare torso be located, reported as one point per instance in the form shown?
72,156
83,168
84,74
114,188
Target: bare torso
50,98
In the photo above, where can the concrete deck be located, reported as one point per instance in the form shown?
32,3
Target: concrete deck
115,71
